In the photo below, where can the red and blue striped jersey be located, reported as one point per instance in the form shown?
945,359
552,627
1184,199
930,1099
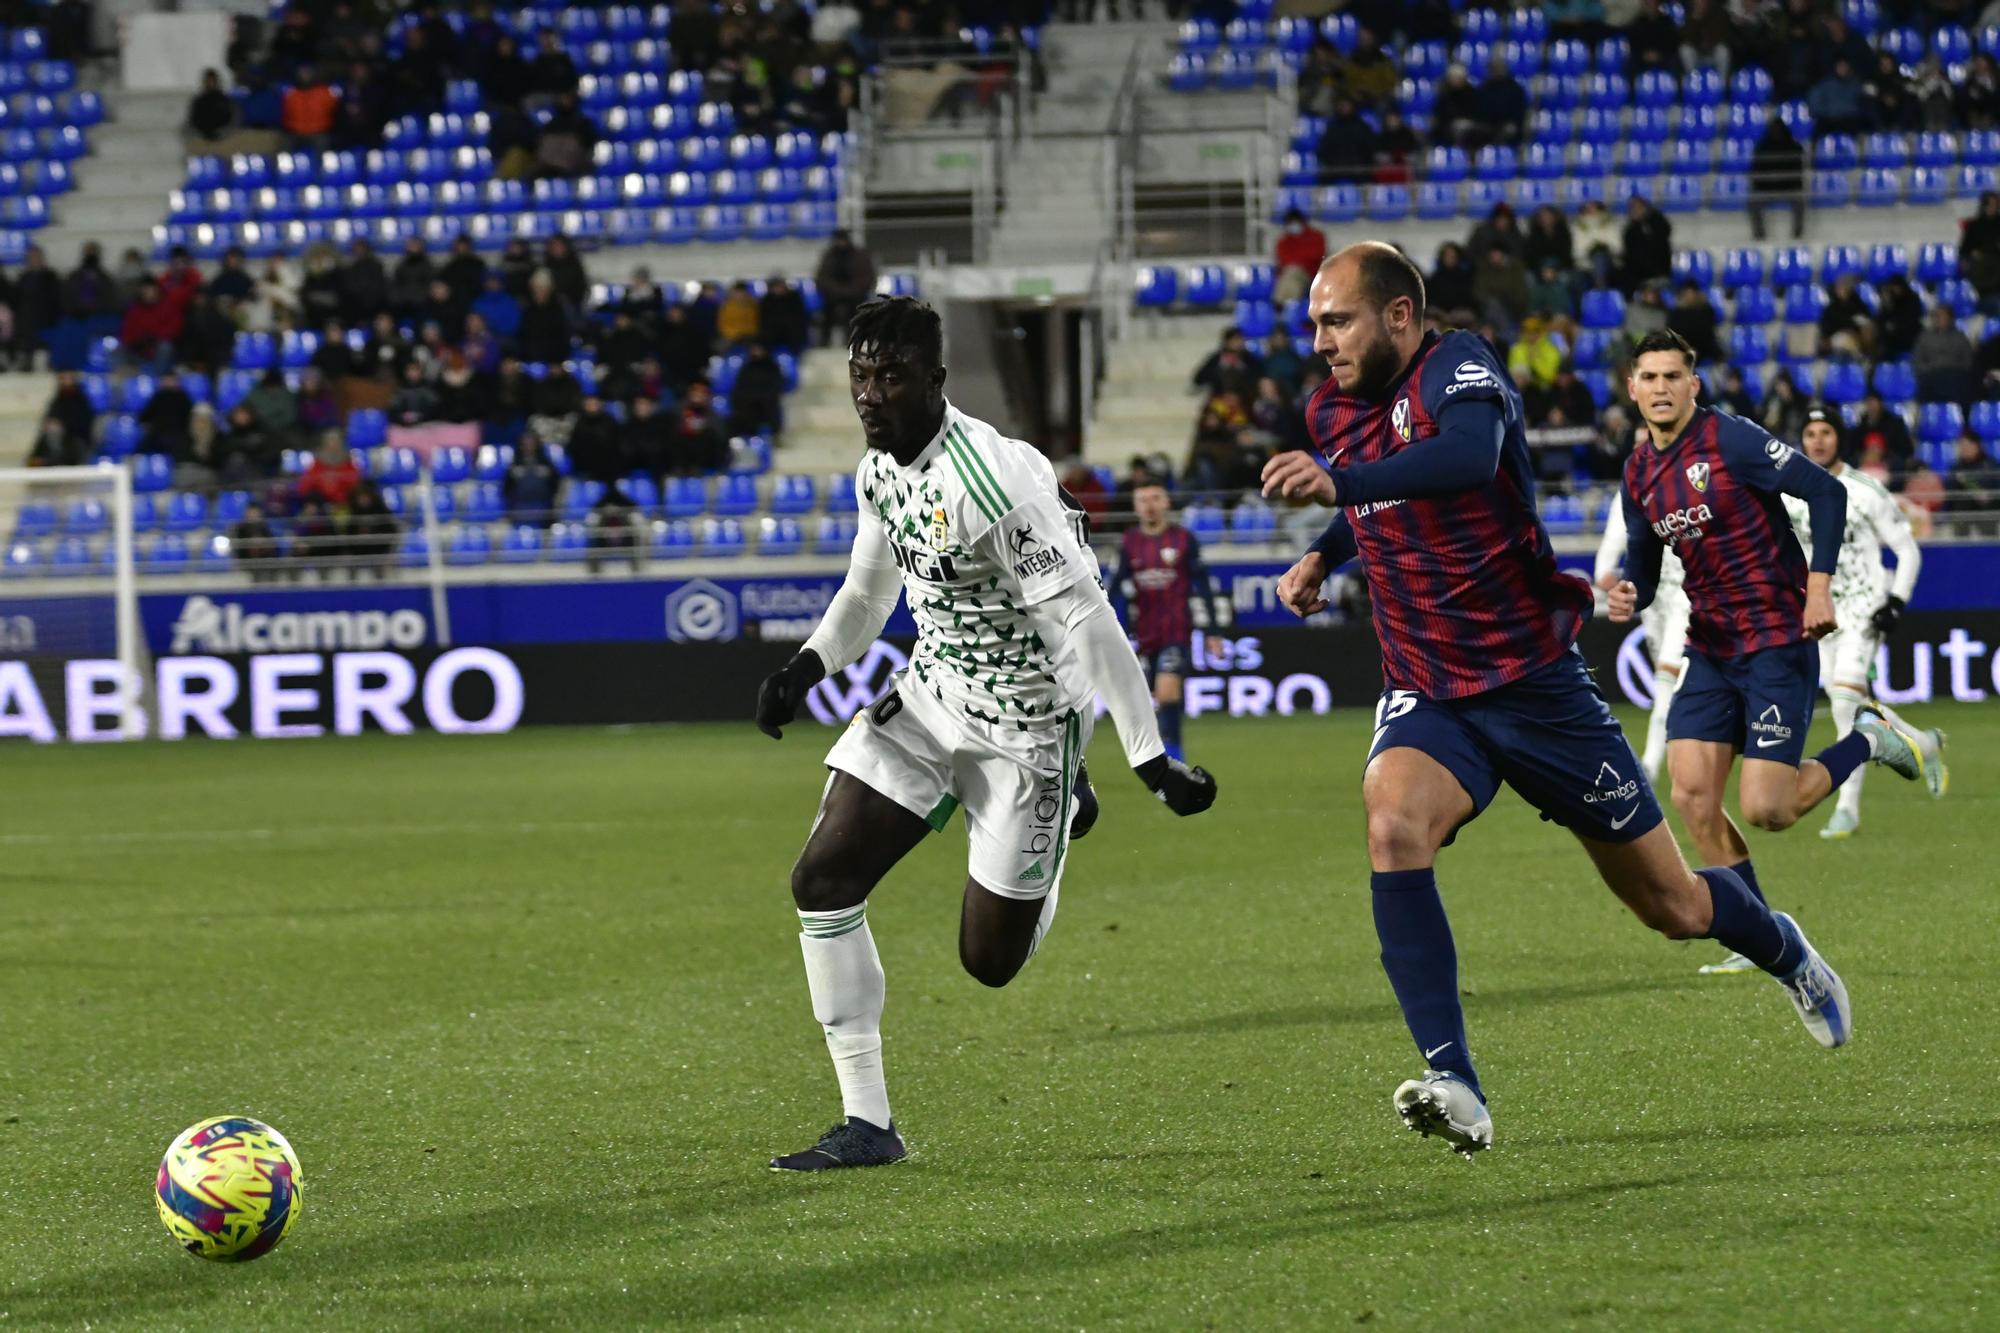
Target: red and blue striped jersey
1158,576
1713,497
1466,592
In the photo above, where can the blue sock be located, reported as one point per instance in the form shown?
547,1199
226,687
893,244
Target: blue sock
1841,758
1422,963
1743,923
1748,874
1170,729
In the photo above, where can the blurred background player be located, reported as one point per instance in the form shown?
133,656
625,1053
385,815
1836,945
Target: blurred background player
1666,625
993,714
1866,604
1159,576
1708,485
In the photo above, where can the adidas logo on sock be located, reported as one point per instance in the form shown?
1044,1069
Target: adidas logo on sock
1032,873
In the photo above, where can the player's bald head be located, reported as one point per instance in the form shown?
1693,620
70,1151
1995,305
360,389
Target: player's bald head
1379,274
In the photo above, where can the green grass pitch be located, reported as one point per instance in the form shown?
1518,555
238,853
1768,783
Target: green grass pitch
531,1011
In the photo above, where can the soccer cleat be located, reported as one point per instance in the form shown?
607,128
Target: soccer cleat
848,1144
1817,992
1736,962
1842,825
1083,805
1910,754
1445,1105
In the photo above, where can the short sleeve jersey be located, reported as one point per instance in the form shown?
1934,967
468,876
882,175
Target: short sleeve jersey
1159,566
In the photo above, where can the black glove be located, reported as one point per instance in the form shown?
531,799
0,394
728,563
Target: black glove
782,692
1887,615
1183,790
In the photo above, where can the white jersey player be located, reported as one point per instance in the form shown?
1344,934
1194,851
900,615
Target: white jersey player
1666,626
1867,601
1014,638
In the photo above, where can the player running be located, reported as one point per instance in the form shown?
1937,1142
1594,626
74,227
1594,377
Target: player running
1867,603
993,712
1159,576
1478,629
1709,485
1666,625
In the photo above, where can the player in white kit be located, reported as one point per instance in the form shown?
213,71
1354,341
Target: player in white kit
1666,626
1867,602
1014,638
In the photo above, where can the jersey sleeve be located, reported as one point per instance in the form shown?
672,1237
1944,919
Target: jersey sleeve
1757,458
1611,546
1019,523
1464,368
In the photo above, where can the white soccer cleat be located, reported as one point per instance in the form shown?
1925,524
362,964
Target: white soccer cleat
1817,993
1736,962
1445,1105
1844,824
1905,751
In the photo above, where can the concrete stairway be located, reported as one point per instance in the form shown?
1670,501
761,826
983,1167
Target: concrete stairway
1147,403
821,434
23,395
135,159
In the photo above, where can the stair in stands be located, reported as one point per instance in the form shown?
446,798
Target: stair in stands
136,158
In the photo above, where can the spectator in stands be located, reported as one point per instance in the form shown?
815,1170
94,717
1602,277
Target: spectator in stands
210,113
1942,359
1970,487
1846,327
683,351
1783,411
148,331
643,438
464,393
1548,241
1648,244
38,305
1367,74
643,300
1550,294
198,467
517,266
1709,37
1978,97
1346,148
1395,147
442,310
1500,228
1538,354
253,543
558,398
1883,432
415,402
480,346
317,409
1836,101
845,278
276,408
262,105
69,407
506,79
567,140
1890,97
1449,288
612,529
308,112
364,284
1564,402
736,322
315,536
373,533
1301,250
1227,453
1319,79
410,284
464,272
497,307
233,279
756,400
1500,289
1503,104
1694,317
697,442
362,112
1778,177
1654,39
1732,395
1599,242
54,447
89,292
546,324
248,450
1231,368
1605,459
1085,487
386,352
781,316
181,281
1456,114
530,482
1979,251
1899,318
551,73
566,271
596,444
165,417
332,474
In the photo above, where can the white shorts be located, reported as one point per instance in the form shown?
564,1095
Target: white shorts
1666,623
1847,656
1013,785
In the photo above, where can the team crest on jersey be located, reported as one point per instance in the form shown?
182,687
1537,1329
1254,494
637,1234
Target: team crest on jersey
1400,419
1698,476
940,530
1168,555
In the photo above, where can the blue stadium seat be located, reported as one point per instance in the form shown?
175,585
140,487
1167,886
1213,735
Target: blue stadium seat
673,541
484,503
1927,185
1599,384
1204,284
1844,381
579,497
792,494
1879,189
1755,305
1387,203
366,428
1656,88
1804,303
1702,88
1156,285
1497,162
567,542
1253,282
522,545
1887,260
1448,164
1437,200
1838,261
469,546
1603,308
1543,161
1592,350
85,518
137,392
185,512
1940,423
1481,197
1936,261
1958,296
1985,421
1567,57
834,535
1698,265
151,473
780,536
1681,194
1749,345
735,495
1791,266
122,436
1951,44
71,557
1636,161
1337,203
720,536
1831,189
1896,381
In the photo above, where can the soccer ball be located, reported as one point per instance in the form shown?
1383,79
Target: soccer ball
229,1188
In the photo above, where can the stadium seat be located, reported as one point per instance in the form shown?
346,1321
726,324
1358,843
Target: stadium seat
1694,265
1838,261
720,536
792,494
1936,262
735,495
1879,189
151,473
1205,520
1791,266
567,542
1896,381
840,496
1831,189
1927,185
1387,203
469,546
1681,194
1940,423
1155,286
1592,350
1887,260
1749,345
834,535
1257,319
1437,201
1844,381
1204,284
1804,304
484,503
1985,421
1958,296
1337,203
1603,308
780,536
673,541
1253,282
522,545
85,518
1755,305
579,497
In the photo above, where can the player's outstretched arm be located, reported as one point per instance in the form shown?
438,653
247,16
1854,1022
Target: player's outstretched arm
1080,616
853,620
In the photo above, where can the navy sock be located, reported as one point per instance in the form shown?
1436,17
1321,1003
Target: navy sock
1743,923
1748,874
1422,963
1841,758
1170,728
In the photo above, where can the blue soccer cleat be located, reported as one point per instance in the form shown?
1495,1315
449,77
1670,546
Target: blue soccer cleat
1817,993
1445,1105
850,1143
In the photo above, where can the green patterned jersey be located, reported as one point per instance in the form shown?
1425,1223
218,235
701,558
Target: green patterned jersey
1874,520
977,527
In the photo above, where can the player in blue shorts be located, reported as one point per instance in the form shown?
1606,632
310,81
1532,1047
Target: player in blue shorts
1435,489
1710,485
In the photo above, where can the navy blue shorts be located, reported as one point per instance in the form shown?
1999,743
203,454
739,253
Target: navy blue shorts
1172,660
1761,703
1550,736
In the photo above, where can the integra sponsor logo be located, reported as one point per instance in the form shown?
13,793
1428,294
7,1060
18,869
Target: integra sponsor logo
1683,523
224,627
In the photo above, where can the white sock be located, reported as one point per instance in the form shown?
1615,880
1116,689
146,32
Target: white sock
1846,703
1044,921
844,974
1664,684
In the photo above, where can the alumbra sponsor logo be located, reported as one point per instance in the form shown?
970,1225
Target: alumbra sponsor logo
208,626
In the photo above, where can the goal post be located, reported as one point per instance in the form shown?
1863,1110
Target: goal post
69,604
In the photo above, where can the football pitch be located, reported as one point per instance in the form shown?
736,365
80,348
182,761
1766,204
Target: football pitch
531,1010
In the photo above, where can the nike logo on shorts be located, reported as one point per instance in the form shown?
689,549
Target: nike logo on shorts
1617,824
